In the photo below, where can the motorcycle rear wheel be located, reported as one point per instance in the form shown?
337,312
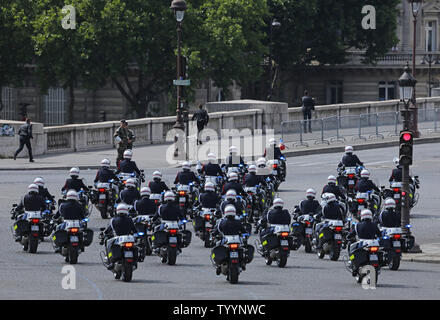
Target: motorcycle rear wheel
233,273
394,263
172,256
282,261
73,255
103,212
127,272
33,244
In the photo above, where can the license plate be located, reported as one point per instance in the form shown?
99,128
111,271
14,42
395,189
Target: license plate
350,182
182,199
102,196
338,236
274,172
373,257
128,254
284,243
309,231
74,239
234,254
396,244
173,240
35,228
361,208
397,196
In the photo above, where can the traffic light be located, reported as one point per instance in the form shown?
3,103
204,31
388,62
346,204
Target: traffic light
406,148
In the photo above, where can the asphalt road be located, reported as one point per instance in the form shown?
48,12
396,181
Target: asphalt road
39,276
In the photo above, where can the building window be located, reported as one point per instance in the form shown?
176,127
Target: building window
387,90
335,92
55,107
431,36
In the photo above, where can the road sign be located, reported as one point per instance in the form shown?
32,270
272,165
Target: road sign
181,82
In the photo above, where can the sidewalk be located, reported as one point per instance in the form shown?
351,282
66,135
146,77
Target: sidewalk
430,254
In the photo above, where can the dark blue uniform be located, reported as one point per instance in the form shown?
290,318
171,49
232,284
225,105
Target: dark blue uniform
170,212
71,210
230,227
185,177
364,185
310,206
350,160
157,187
390,219
209,199
252,180
128,166
130,195
75,184
234,185
332,188
104,175
145,206
31,202
212,169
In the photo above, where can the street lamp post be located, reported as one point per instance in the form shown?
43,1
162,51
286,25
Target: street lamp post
273,23
430,60
407,85
179,7
415,8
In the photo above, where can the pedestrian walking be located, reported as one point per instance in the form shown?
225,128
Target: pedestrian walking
124,137
25,133
202,118
308,105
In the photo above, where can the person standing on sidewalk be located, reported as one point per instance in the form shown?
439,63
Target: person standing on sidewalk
202,118
308,105
25,133
124,138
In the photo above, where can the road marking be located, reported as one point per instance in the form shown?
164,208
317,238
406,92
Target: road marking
94,286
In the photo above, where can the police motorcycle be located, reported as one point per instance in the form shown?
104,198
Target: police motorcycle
257,202
104,197
168,240
48,225
348,178
240,170
204,221
302,230
276,245
157,198
123,254
392,243
144,225
231,256
395,192
366,200
28,228
71,238
187,196
84,199
276,180
123,177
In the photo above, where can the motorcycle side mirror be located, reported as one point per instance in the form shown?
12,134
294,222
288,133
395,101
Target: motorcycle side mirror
90,187
14,205
101,229
416,177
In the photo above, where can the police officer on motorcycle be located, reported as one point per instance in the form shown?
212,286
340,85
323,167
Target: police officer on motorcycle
272,151
277,215
350,159
71,208
366,229
331,187
309,205
331,211
186,176
251,179
169,210
74,182
390,217
145,206
231,199
105,174
42,190
130,194
396,174
364,184
233,184
32,201
234,159
211,169
157,186
209,198
127,165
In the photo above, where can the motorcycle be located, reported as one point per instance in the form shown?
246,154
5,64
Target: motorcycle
392,243
303,230
123,177
72,238
257,202
157,198
187,195
47,216
104,198
168,243
122,254
276,245
330,237
144,227
365,253
276,173
203,222
28,229
230,258
347,179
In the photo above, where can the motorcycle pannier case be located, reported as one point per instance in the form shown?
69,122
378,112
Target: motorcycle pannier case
269,241
219,254
186,238
325,235
21,227
115,253
88,237
198,223
159,238
358,258
385,243
249,253
298,229
60,237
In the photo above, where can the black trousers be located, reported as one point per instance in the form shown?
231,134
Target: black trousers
307,117
200,127
25,141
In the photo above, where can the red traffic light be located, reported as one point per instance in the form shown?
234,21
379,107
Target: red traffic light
407,136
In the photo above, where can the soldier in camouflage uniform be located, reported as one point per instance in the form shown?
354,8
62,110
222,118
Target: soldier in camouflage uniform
126,137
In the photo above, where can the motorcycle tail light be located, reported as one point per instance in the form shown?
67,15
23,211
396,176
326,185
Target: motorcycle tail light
233,246
396,190
102,190
73,230
284,234
361,200
156,201
128,244
374,249
173,231
207,217
307,223
397,236
351,176
181,193
338,229
35,220
275,166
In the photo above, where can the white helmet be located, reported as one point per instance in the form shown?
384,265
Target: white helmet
74,172
130,183
365,173
230,211
32,188
209,186
169,196
72,195
348,149
366,214
145,191
212,157
233,149
278,202
311,193
186,165
272,142
122,208
157,175
261,162
331,179
105,163
39,182
396,161
231,194
252,168
128,154
232,176
329,197
390,203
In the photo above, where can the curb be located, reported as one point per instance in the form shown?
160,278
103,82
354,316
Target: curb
325,150
432,259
